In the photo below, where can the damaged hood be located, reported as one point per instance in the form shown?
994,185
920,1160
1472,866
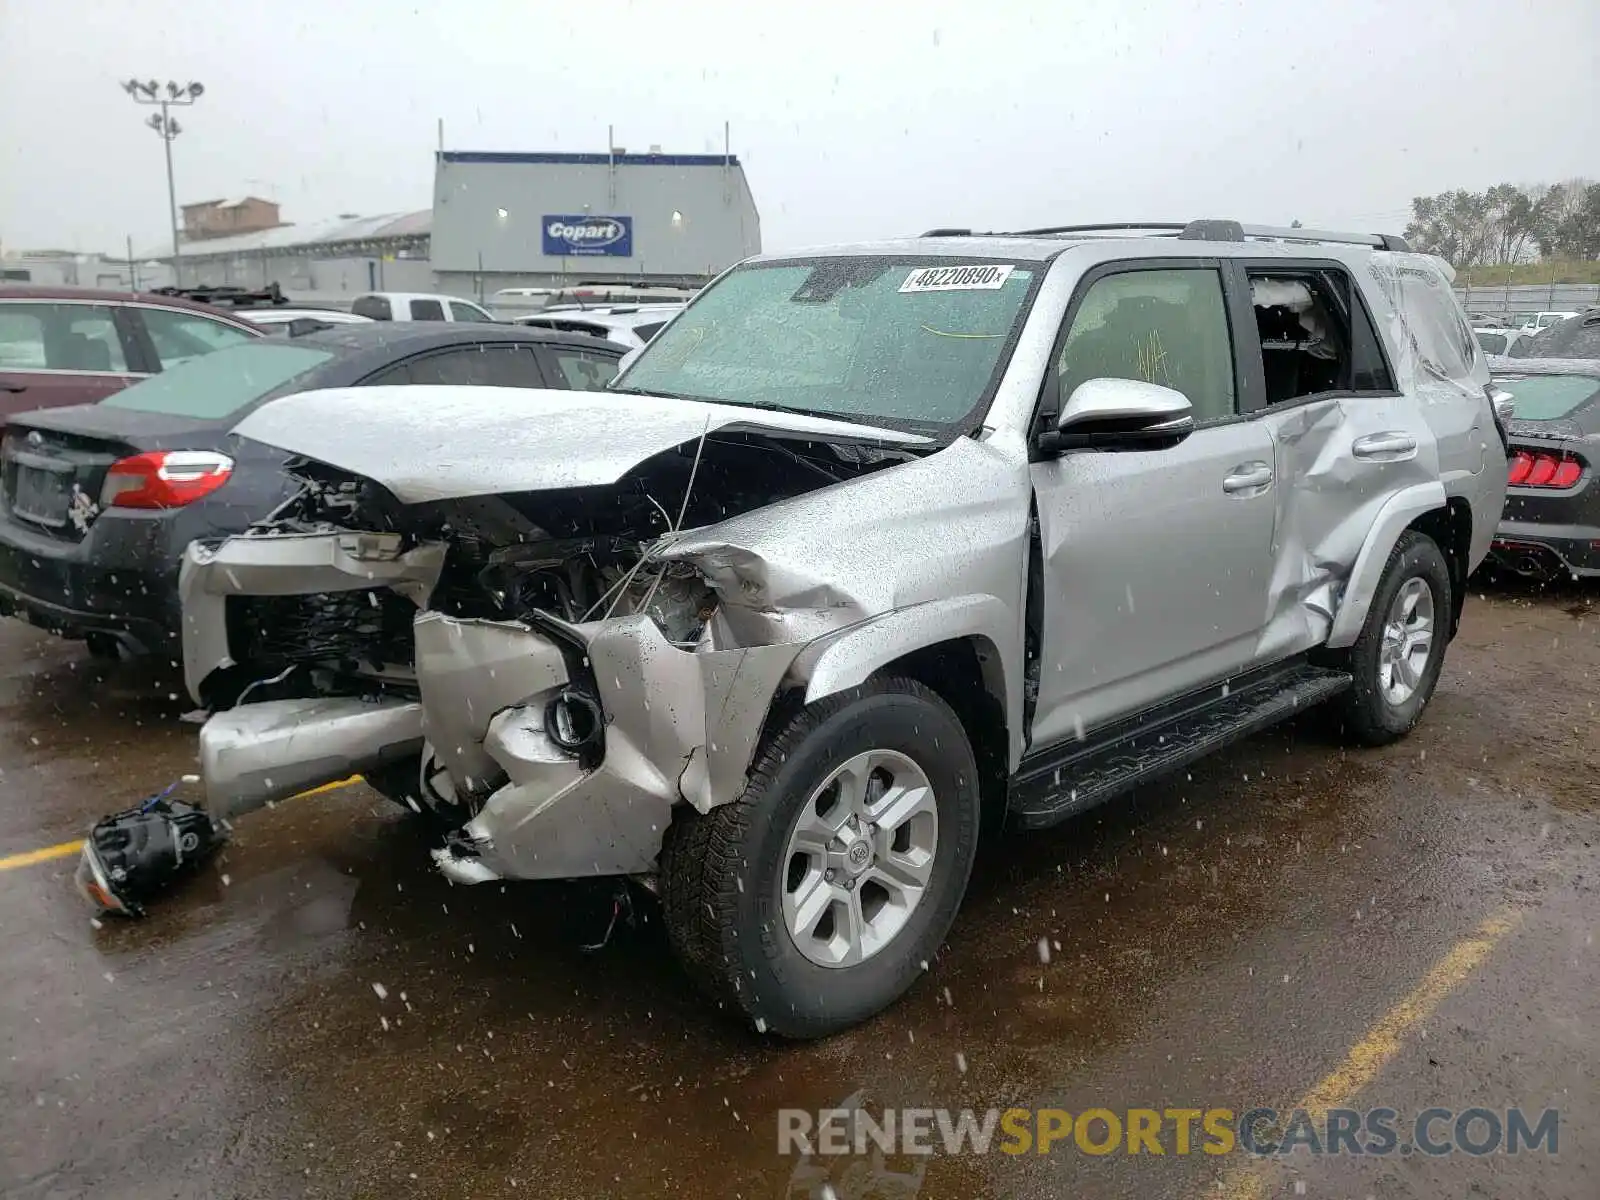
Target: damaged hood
444,443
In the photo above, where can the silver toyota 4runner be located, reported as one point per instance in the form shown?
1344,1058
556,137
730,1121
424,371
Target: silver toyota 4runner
870,544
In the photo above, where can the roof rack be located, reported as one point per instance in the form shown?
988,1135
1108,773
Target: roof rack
227,296
1199,231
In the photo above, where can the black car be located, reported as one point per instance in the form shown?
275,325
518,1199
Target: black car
98,501
1551,523
1576,337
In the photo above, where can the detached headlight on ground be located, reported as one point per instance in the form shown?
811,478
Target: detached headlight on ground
132,855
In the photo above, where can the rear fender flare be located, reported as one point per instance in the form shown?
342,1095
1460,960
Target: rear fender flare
1397,513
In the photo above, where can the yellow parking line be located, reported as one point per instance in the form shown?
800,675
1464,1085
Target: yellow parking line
62,849
28,857
1382,1042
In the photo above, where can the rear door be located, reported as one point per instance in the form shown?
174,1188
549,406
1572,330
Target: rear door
59,352
1345,438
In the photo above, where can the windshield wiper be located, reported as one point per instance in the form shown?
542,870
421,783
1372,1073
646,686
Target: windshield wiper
932,430
665,395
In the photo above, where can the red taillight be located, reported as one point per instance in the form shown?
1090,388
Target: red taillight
1537,469
164,478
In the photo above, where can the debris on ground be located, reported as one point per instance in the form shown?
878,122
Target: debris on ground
132,856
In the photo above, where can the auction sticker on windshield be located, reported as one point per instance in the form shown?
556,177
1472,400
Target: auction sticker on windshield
956,279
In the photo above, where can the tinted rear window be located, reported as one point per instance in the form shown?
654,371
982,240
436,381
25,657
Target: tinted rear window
1550,397
374,308
217,385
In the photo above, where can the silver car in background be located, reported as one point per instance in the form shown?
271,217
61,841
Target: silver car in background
869,545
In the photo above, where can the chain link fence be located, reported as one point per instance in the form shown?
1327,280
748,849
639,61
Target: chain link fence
1507,300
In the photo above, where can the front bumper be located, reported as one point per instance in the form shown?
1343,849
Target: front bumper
677,726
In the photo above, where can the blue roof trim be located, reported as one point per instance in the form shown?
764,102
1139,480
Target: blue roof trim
589,160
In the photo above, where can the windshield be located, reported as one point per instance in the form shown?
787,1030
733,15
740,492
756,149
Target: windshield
1550,397
219,384
913,343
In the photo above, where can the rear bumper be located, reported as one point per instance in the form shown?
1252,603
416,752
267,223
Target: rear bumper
1543,549
120,579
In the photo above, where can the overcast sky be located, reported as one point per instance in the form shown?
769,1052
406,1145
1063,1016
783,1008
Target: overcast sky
864,118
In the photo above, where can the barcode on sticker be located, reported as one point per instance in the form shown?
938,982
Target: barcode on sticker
956,279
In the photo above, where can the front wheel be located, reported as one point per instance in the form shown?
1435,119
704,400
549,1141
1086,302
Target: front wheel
1397,659
816,899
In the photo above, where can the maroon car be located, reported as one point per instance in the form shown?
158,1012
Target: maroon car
67,345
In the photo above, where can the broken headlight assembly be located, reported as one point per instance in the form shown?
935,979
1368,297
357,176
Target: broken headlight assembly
131,856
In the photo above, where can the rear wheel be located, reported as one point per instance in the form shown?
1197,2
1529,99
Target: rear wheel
816,899
1397,659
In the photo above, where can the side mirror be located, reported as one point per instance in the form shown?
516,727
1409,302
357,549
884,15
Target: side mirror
1120,414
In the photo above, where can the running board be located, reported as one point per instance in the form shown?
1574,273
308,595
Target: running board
1061,782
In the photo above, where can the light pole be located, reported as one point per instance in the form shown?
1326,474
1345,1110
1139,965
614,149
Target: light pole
173,94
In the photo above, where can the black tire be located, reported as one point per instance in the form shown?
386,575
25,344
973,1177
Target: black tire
723,872
1370,718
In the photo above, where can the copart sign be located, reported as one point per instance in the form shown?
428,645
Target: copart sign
580,235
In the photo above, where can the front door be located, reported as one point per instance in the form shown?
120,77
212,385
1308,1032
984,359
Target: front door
1155,564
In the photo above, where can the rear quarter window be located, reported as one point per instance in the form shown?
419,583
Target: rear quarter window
427,310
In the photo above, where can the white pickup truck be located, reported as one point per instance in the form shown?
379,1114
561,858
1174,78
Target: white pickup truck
417,306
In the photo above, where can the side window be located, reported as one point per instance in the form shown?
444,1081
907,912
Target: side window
60,337
582,371
374,308
1492,343
21,337
427,310
179,336
1316,335
1160,326
474,366
460,310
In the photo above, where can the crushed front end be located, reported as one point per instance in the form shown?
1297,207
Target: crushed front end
535,666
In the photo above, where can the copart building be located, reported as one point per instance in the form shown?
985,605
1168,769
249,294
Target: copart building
502,220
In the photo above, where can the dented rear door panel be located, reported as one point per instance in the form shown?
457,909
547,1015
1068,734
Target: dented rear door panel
1340,459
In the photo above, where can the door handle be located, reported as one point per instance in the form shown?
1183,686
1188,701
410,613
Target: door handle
1250,477
1390,444
13,387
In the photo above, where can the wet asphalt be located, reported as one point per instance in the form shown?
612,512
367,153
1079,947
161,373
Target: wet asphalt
1227,939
